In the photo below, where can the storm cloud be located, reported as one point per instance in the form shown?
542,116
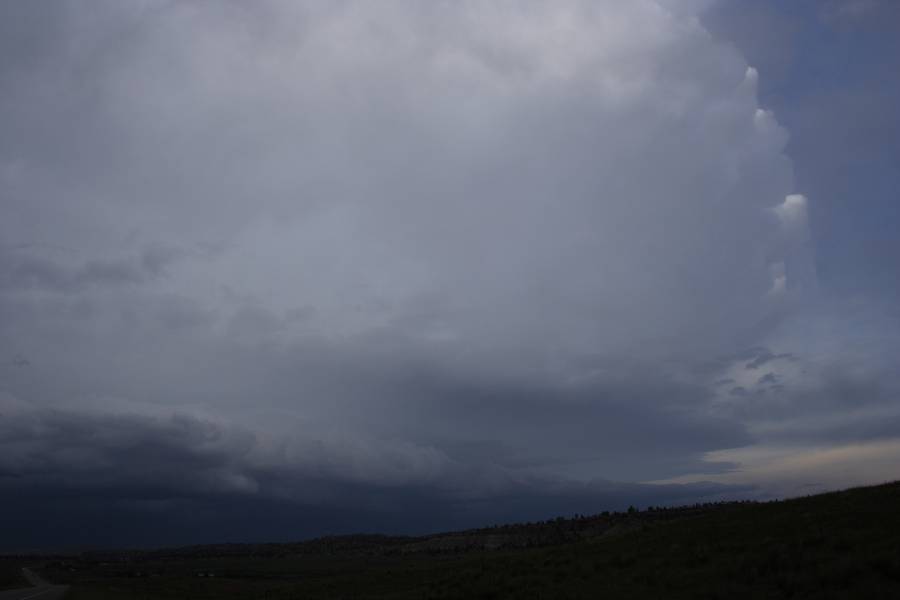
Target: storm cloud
433,259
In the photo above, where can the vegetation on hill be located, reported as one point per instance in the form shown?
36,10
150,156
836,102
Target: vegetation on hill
838,545
11,574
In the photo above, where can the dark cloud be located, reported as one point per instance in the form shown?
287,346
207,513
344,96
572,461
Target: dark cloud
768,378
20,361
641,424
132,473
23,269
758,357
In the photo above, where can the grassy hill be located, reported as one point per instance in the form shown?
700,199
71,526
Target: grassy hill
11,574
837,545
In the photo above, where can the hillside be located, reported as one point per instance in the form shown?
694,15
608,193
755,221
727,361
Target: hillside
837,545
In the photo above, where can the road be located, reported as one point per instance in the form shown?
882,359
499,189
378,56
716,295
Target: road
42,590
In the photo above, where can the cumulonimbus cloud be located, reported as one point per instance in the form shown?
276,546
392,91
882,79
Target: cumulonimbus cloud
440,235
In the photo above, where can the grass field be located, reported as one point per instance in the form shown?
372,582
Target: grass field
11,574
838,545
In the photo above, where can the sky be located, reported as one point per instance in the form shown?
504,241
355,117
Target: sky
277,270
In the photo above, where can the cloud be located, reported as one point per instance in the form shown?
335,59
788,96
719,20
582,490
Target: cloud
498,156
768,378
28,268
178,455
762,356
145,466
842,165
20,361
791,471
406,250
838,11
792,212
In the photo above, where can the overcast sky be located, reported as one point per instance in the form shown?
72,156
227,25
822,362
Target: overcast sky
280,269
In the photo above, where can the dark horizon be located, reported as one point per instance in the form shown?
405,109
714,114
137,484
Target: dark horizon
259,536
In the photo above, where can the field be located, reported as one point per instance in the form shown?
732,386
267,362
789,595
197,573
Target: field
838,545
11,574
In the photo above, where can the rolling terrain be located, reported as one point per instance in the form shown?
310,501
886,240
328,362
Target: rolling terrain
837,545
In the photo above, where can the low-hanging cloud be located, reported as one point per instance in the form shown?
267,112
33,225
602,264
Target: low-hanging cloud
145,466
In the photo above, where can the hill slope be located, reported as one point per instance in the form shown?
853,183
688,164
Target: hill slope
838,545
